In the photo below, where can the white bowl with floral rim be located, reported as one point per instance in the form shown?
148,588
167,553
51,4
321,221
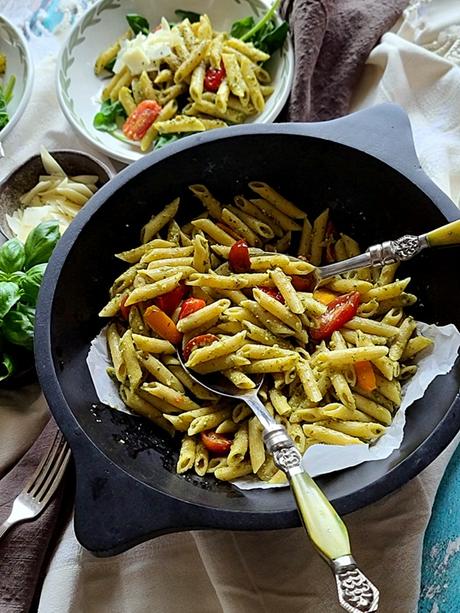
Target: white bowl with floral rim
79,89
18,63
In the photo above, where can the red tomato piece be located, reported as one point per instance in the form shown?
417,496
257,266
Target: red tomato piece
216,443
140,120
198,341
214,77
239,257
339,311
274,293
170,301
191,305
124,310
302,284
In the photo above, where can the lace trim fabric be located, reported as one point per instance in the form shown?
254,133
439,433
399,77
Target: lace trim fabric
447,42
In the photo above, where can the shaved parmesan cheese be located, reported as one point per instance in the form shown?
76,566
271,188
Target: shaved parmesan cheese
145,52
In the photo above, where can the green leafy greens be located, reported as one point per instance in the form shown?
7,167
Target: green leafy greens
110,116
22,267
138,24
190,15
265,34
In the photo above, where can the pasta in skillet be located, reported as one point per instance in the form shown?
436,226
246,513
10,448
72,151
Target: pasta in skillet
334,357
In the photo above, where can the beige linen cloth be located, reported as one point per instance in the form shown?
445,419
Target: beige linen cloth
266,572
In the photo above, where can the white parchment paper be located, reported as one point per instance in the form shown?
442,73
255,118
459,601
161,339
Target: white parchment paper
321,459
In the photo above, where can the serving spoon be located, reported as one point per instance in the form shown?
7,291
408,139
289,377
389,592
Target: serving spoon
325,528
388,252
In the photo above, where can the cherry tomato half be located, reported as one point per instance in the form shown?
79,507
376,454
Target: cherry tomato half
339,311
274,293
170,301
216,443
140,120
191,305
239,257
198,341
214,77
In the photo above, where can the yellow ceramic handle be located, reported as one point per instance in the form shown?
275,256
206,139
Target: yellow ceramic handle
325,528
445,235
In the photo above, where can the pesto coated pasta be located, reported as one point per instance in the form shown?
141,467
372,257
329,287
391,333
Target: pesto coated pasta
333,357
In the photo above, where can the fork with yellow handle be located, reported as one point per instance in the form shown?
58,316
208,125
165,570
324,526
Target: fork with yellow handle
388,252
325,528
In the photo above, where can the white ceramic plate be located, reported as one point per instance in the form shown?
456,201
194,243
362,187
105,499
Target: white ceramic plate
18,63
79,89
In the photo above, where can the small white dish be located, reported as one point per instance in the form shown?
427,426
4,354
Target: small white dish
18,63
78,88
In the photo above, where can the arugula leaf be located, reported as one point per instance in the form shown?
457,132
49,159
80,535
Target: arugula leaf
30,283
138,24
165,139
264,34
18,326
12,255
106,119
190,15
9,296
239,28
40,243
6,366
273,40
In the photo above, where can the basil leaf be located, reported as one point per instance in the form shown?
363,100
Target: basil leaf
106,119
9,296
6,367
274,39
18,326
190,15
12,255
40,243
241,27
138,24
30,283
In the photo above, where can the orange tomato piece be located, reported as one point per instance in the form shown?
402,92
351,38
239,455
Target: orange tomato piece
365,376
324,295
162,324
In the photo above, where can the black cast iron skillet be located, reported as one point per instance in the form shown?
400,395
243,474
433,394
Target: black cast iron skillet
363,167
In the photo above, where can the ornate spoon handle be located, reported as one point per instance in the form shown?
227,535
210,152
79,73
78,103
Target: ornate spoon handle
398,250
325,528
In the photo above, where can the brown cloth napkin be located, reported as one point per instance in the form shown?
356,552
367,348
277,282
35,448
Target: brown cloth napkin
24,548
332,40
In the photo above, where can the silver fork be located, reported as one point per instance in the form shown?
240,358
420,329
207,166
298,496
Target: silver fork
37,492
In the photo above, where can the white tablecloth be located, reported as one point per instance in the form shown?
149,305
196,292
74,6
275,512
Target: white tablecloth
211,572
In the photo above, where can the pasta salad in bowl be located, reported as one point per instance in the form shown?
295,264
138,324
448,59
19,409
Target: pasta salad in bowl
16,76
162,73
